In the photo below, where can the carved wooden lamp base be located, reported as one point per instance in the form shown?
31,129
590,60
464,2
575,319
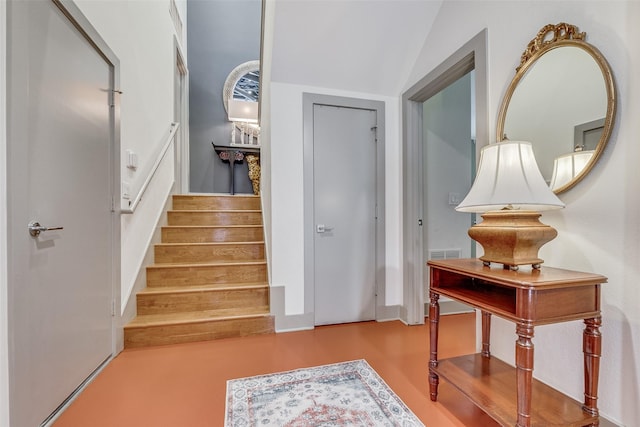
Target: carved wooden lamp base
512,237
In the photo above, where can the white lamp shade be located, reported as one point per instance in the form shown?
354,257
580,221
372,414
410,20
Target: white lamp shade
508,175
242,111
567,166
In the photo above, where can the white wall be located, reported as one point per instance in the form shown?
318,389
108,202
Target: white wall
358,46
362,49
287,258
599,230
141,34
268,11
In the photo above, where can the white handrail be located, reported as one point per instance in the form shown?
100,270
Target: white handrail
134,203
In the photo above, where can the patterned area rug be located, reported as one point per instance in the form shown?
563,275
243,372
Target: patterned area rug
341,394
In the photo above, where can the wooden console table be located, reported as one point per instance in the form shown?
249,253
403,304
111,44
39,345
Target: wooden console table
528,297
233,154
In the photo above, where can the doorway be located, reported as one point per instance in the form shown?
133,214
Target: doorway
471,56
344,205
63,170
449,163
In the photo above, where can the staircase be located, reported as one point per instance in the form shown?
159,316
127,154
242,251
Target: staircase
209,279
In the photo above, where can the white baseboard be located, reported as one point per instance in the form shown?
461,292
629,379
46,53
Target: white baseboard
306,321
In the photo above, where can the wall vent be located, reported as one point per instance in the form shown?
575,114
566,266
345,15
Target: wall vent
436,254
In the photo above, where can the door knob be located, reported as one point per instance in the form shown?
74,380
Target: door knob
321,228
35,228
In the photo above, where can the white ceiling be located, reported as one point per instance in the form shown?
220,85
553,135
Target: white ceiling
365,46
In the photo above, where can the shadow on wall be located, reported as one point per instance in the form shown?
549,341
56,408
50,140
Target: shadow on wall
630,382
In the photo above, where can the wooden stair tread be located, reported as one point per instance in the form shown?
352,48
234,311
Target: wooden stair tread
215,195
201,288
207,264
155,320
212,226
209,278
210,244
200,211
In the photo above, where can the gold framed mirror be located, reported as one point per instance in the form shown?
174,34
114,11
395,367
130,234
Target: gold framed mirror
562,99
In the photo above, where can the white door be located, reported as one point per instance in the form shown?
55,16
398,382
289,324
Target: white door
60,150
344,165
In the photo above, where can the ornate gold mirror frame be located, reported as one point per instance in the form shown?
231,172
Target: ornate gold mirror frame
549,92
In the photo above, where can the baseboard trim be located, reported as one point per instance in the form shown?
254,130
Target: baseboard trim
130,310
387,313
306,321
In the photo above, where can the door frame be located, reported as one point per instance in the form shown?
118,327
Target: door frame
471,56
308,101
181,115
75,16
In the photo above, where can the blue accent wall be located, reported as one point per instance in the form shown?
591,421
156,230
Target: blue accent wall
221,35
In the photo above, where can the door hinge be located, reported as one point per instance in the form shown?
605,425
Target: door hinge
376,211
113,308
375,130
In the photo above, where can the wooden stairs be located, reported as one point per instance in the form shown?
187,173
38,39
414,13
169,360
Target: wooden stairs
209,279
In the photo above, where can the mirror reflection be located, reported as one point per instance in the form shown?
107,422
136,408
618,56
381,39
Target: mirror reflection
561,100
247,87
552,99
241,96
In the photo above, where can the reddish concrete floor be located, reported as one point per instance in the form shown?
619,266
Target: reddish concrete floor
185,385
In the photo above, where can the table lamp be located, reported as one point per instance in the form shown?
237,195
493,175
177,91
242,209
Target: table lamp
509,191
242,111
567,166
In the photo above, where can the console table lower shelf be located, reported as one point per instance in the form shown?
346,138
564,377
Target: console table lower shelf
490,384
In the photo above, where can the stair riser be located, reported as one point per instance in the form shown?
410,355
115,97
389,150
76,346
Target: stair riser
214,218
204,331
249,301
211,235
203,275
216,202
208,253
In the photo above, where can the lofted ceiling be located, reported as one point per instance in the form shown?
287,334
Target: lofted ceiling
367,46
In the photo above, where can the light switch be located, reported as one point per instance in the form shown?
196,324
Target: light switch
126,190
132,160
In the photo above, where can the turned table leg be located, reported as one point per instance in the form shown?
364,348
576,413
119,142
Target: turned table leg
524,373
592,349
434,318
486,333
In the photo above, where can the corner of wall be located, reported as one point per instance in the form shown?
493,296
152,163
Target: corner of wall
284,323
388,312
4,321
